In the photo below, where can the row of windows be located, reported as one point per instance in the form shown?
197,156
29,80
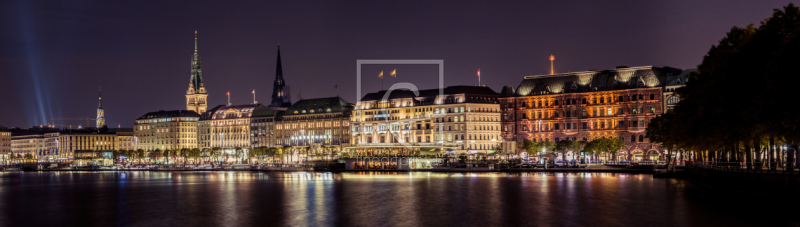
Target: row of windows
584,125
546,103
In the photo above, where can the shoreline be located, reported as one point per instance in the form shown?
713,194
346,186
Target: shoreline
555,170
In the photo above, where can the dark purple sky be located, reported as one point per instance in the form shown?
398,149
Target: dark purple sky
54,56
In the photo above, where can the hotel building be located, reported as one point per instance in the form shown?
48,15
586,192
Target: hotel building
226,126
314,123
616,103
460,119
176,129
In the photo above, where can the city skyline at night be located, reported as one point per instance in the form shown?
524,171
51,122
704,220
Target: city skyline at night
140,58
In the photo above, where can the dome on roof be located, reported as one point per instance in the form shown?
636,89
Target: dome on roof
555,85
649,78
585,79
624,75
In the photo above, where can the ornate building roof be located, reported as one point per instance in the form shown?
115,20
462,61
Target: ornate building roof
230,112
265,111
595,80
171,113
679,79
320,105
431,93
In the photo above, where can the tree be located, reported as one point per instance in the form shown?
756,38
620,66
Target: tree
239,154
216,152
154,154
140,154
710,119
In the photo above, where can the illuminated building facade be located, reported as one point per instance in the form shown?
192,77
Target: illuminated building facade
616,103
176,129
124,140
315,122
462,119
5,146
226,126
67,142
101,115
262,126
28,143
196,95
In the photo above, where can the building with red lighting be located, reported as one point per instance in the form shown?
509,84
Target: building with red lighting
617,103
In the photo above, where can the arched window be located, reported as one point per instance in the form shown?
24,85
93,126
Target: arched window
652,96
574,102
594,100
633,97
620,99
641,138
641,97
673,100
633,138
583,101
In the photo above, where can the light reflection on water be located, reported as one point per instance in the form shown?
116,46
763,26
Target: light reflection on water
361,199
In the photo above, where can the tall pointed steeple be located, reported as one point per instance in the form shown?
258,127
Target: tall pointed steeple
280,98
196,94
101,119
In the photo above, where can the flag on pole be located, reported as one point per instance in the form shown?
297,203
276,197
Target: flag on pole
380,75
394,73
254,91
479,72
229,93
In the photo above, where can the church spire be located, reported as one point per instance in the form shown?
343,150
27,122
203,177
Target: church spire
101,119
279,93
196,81
100,98
279,69
196,94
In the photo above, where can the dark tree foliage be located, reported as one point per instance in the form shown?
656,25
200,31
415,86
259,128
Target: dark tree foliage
744,94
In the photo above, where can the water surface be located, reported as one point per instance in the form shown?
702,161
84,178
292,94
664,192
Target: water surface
372,199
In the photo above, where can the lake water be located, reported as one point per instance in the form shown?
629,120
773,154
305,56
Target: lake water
374,199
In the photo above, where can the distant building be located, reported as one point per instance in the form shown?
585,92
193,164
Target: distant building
176,129
67,142
124,139
460,119
5,146
28,143
281,96
616,103
226,126
674,82
314,123
196,95
262,126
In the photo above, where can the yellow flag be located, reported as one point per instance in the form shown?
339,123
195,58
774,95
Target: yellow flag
394,73
380,75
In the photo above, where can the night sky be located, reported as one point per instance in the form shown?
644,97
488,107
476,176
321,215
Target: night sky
53,57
